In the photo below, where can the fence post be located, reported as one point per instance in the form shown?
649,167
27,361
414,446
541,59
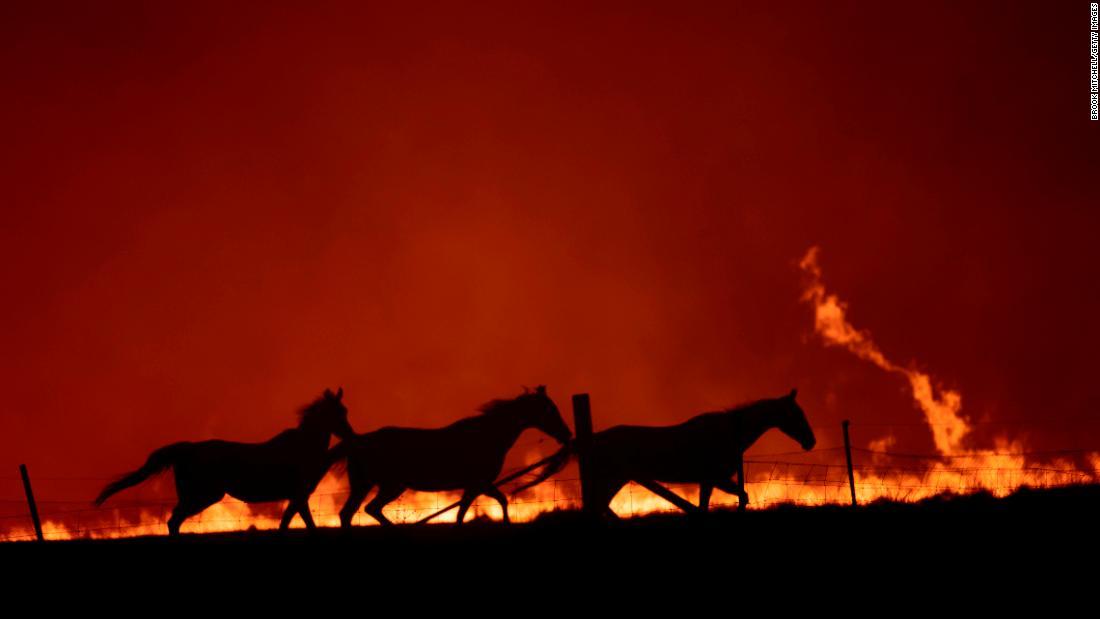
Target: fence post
848,456
582,424
30,501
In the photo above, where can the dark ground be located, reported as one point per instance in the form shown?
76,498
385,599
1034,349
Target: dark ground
1026,543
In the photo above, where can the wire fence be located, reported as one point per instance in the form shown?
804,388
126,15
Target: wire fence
785,477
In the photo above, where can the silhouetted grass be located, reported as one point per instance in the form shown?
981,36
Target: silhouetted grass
1050,512
945,542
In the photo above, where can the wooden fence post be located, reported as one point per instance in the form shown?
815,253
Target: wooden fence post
848,456
30,501
582,425
741,480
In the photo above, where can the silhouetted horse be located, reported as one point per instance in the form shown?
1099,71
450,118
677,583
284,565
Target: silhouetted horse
466,455
287,467
707,449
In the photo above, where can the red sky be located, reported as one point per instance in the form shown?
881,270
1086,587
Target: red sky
210,214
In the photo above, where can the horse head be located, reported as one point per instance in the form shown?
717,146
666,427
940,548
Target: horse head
793,423
329,414
541,413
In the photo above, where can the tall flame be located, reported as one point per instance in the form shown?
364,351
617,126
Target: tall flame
960,468
941,412
1000,470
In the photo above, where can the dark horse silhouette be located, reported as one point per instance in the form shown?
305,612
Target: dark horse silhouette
287,467
466,455
707,449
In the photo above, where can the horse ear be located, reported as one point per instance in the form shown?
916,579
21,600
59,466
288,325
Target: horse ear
340,393
794,392
541,390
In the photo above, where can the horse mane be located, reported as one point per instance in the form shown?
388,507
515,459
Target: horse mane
750,405
311,410
499,406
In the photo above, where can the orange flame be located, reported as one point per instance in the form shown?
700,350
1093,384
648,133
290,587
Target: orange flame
942,412
999,470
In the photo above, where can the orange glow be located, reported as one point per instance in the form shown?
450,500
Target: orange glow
941,412
1000,470
213,211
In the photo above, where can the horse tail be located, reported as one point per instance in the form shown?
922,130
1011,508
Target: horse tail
158,461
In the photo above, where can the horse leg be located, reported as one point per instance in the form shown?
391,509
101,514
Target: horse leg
359,486
494,493
355,499
189,505
738,488
288,514
602,495
297,506
385,495
194,493
468,497
307,516
705,488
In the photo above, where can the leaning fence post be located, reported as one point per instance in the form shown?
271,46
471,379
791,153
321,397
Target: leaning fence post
741,477
582,424
848,456
30,501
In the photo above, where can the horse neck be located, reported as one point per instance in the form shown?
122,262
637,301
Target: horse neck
316,434
750,424
504,429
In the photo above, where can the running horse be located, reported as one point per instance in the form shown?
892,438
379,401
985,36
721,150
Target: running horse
707,449
286,468
466,455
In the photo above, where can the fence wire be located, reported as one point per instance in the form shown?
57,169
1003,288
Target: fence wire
771,479
784,477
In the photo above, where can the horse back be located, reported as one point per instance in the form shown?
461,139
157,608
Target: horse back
452,457
653,438
686,452
285,453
